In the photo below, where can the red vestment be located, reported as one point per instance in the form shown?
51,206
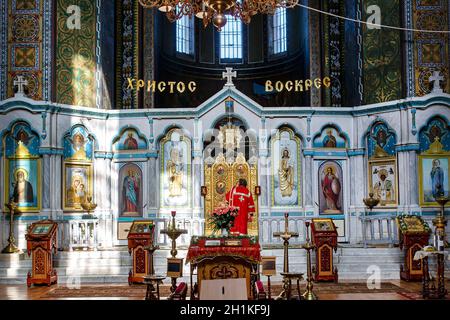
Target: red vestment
242,198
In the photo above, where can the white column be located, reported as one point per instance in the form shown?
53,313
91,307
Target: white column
308,199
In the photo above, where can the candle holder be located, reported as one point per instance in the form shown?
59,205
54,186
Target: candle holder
440,222
308,246
370,203
285,236
89,206
173,233
11,247
151,250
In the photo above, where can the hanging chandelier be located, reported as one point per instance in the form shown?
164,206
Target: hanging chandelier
215,11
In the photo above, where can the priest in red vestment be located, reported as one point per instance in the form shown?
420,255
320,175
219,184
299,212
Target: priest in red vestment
239,196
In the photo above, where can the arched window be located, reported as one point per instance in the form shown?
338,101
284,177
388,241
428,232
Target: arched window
185,35
231,40
279,31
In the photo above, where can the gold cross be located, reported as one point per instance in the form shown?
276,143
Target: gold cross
241,198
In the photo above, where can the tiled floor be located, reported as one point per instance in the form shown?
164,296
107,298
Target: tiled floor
21,292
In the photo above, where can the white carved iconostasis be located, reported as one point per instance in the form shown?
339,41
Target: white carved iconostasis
143,165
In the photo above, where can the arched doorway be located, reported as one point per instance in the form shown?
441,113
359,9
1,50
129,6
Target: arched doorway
230,153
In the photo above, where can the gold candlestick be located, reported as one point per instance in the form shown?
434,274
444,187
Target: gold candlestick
151,251
370,202
440,222
308,246
11,247
286,236
173,233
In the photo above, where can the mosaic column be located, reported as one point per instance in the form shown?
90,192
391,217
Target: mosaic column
315,70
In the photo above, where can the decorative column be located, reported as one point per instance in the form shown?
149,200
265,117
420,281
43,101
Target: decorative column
149,53
358,191
197,167
153,193
407,177
46,184
153,181
307,185
264,166
315,70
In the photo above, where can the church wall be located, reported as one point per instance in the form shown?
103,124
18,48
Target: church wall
404,118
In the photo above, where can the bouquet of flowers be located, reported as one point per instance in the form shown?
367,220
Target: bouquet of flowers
223,217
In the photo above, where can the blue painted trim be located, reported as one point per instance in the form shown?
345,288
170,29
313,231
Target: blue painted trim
434,213
380,213
16,121
291,214
51,151
27,218
339,130
103,155
370,127
129,127
333,216
39,106
407,147
356,152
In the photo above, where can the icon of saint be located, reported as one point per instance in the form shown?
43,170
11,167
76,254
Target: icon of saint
331,188
286,175
330,140
130,142
22,188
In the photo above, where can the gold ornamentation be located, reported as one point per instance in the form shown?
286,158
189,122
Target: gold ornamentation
22,151
221,172
436,147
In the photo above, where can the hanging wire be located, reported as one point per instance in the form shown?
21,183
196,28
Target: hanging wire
372,24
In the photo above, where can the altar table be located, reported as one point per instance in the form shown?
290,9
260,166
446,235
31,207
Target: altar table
223,258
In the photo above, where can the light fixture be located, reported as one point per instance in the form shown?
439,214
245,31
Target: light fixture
215,11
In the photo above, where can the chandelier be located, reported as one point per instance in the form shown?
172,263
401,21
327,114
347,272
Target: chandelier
215,11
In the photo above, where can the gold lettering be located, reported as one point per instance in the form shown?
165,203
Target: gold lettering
151,86
192,86
181,87
171,85
327,82
298,85
318,83
308,84
161,86
130,83
269,87
140,84
289,86
279,86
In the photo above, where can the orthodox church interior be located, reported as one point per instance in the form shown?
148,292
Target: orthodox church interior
221,150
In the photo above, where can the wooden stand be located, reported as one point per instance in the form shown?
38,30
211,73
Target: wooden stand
42,245
434,292
413,236
140,237
411,243
324,236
